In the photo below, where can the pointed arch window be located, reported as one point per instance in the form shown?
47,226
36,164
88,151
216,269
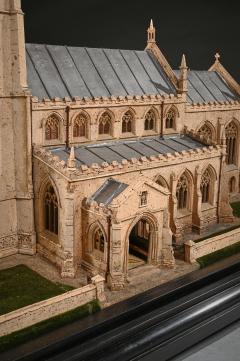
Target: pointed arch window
170,119
162,182
206,131
104,124
80,126
231,143
98,240
182,192
205,186
52,128
150,120
127,122
51,210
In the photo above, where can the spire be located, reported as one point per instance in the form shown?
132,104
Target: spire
71,160
183,75
151,33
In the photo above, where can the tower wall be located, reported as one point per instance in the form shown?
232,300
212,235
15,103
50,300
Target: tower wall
16,191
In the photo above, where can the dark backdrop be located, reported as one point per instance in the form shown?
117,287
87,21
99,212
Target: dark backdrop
197,28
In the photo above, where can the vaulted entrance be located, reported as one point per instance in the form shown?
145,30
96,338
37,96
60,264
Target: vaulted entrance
139,240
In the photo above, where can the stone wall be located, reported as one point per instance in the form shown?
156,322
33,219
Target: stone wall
40,311
196,250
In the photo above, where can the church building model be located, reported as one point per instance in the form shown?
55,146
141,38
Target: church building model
109,155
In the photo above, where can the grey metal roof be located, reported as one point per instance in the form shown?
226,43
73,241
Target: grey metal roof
207,86
62,71
109,190
126,149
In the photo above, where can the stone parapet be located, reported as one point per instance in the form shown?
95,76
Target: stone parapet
125,166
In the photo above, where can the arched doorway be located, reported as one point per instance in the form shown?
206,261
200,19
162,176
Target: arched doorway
139,243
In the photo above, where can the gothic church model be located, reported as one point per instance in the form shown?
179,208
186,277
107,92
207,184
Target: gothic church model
109,154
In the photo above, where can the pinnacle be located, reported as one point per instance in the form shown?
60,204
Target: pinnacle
183,62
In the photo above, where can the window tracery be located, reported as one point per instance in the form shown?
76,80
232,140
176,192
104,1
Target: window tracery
182,192
80,126
206,131
52,128
98,240
205,186
51,210
127,121
104,124
170,119
149,122
231,143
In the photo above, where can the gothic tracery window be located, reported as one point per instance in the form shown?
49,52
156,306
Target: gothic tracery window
170,119
206,131
127,122
80,126
51,210
205,186
149,122
231,143
104,124
52,128
98,240
182,192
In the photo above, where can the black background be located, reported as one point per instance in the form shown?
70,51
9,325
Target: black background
197,28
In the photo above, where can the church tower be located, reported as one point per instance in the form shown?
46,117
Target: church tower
16,191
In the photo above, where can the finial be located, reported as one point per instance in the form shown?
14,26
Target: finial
151,33
183,62
71,160
217,57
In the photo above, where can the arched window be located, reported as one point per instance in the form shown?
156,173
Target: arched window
206,131
52,128
205,186
80,126
98,240
170,119
51,210
182,192
231,142
127,122
104,124
232,185
162,182
149,122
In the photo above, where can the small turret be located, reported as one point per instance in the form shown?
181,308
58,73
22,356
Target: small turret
151,33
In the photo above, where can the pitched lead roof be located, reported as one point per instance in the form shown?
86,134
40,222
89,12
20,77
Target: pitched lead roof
207,86
109,190
126,149
61,71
